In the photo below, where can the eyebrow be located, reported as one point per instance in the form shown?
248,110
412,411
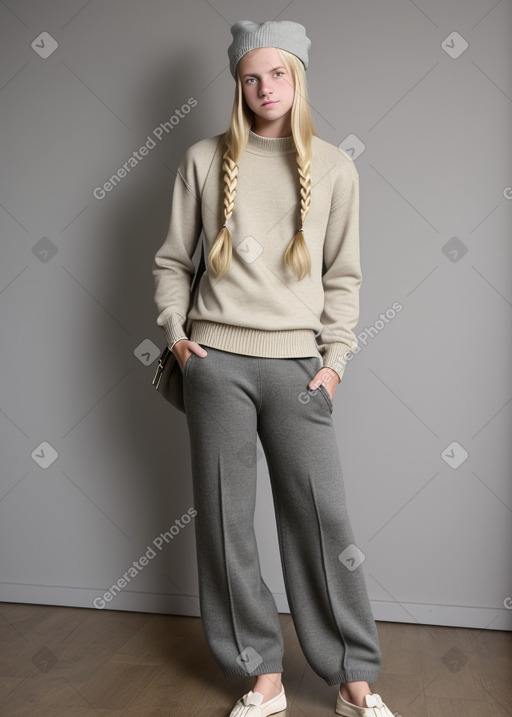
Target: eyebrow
253,74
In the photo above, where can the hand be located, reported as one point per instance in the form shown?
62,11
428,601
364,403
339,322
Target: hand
184,348
328,377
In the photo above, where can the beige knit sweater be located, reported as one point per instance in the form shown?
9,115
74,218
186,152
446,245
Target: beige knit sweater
258,307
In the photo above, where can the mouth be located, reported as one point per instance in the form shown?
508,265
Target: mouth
269,104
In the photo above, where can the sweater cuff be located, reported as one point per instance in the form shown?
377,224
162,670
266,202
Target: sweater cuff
173,328
335,357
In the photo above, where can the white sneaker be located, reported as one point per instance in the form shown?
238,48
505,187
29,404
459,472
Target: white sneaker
375,707
252,705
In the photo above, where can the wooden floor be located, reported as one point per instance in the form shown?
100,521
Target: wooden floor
77,662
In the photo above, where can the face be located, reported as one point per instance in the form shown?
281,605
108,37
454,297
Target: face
265,77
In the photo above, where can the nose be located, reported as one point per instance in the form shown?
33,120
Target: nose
265,89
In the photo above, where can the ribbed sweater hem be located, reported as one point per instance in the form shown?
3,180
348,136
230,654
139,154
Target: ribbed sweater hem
294,343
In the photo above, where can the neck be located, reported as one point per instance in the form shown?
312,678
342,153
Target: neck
276,128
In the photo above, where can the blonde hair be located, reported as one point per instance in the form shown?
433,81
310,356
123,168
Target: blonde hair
235,138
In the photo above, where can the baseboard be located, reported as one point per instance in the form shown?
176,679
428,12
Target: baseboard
133,601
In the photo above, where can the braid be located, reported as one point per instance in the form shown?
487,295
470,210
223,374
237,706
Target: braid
221,252
296,255
305,188
230,169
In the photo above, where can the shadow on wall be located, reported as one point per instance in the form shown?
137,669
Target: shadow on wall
137,447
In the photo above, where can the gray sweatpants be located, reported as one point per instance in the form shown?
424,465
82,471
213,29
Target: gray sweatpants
230,399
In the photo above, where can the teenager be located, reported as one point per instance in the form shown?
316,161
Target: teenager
262,351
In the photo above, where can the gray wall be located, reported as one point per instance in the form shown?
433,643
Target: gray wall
95,465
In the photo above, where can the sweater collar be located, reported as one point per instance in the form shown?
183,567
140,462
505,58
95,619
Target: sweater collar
269,146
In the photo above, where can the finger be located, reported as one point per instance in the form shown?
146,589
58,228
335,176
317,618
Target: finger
316,381
200,351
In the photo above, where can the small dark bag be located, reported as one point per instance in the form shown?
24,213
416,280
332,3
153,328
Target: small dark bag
168,379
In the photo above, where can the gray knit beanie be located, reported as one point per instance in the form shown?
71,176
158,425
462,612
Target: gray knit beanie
284,34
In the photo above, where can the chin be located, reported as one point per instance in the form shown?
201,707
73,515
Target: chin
264,115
